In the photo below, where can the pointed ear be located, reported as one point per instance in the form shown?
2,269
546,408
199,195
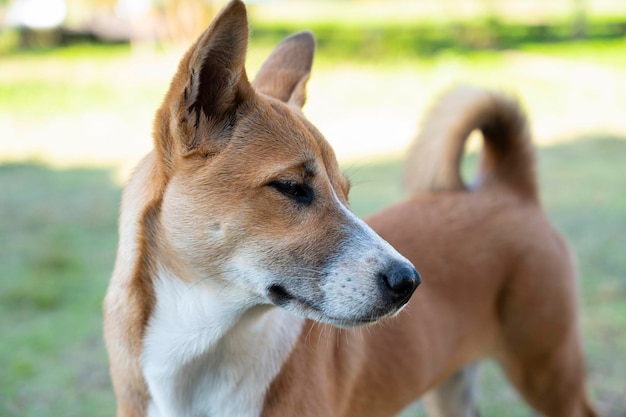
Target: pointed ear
209,87
285,73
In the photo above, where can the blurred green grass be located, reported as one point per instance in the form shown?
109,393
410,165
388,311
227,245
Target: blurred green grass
604,52
71,81
425,38
58,234
54,100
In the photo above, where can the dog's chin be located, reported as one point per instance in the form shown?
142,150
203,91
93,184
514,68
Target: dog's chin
303,308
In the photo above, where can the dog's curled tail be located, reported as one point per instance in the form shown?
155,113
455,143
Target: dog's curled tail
507,155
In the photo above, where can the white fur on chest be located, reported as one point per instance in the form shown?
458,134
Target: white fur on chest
207,354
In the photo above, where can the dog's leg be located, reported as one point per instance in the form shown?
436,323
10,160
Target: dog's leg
555,385
541,348
456,396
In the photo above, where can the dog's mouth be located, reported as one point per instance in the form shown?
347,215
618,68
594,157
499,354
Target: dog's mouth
280,297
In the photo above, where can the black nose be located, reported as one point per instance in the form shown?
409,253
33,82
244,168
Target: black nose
401,279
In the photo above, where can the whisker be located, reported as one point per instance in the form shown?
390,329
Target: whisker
308,334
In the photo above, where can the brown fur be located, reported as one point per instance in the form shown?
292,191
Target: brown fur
498,282
500,279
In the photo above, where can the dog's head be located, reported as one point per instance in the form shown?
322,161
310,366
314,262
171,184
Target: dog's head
254,198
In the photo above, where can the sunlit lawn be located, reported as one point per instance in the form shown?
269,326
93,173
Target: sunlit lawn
76,108
95,106
58,235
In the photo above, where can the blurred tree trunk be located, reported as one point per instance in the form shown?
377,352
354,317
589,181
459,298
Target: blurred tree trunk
580,18
183,20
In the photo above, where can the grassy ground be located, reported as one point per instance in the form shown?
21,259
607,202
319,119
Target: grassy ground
58,235
95,105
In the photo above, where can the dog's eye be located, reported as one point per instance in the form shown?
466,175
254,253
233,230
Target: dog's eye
302,193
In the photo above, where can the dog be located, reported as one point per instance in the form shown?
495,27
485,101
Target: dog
243,280
235,231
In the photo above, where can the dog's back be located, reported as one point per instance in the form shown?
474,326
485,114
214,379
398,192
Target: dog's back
499,281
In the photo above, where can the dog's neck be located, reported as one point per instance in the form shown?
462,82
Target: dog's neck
206,352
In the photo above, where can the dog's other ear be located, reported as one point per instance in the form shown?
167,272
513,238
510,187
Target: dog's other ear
209,88
286,71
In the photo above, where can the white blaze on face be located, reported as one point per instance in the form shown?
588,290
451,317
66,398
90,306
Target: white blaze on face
353,287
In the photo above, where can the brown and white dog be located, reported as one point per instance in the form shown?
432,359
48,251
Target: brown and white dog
241,271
